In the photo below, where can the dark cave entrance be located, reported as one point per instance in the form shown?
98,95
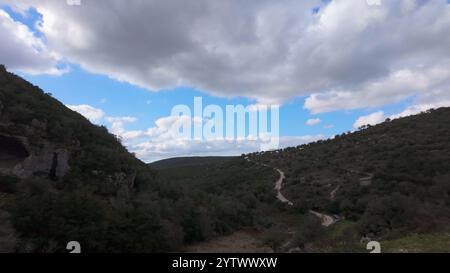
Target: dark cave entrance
12,151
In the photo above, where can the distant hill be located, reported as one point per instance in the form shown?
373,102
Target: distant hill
189,161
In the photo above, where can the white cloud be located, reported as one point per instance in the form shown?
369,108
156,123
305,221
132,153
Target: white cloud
163,140
394,88
380,116
21,50
118,126
419,108
412,110
346,55
372,119
93,114
155,149
313,122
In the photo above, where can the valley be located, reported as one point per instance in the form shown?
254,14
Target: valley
63,178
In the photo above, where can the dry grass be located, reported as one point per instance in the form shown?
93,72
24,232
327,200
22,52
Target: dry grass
243,241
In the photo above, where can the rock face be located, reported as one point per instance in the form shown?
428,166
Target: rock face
50,162
62,163
19,159
121,182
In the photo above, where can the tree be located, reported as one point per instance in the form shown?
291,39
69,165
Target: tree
275,238
309,230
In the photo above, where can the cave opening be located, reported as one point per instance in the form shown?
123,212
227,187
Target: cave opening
12,151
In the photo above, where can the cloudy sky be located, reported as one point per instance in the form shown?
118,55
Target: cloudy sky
331,65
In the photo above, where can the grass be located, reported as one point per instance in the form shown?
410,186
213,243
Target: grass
415,243
434,243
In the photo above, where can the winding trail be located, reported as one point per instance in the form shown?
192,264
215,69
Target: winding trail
327,220
333,193
279,186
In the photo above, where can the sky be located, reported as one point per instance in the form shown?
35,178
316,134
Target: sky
332,66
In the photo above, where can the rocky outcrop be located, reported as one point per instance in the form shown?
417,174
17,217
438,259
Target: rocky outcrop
122,182
20,159
62,165
50,162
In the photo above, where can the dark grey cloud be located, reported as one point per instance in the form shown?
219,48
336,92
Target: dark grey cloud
268,50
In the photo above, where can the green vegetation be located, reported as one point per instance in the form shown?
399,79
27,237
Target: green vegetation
390,180
430,243
110,201
224,197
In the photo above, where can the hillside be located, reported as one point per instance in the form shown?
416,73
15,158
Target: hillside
388,182
385,181
64,179
61,178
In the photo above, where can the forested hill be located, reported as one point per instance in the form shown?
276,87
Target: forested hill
61,177
64,179
392,178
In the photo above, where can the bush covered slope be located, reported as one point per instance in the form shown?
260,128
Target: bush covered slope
63,179
76,182
390,179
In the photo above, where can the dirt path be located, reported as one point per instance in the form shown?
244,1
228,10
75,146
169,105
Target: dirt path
327,220
333,193
279,186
